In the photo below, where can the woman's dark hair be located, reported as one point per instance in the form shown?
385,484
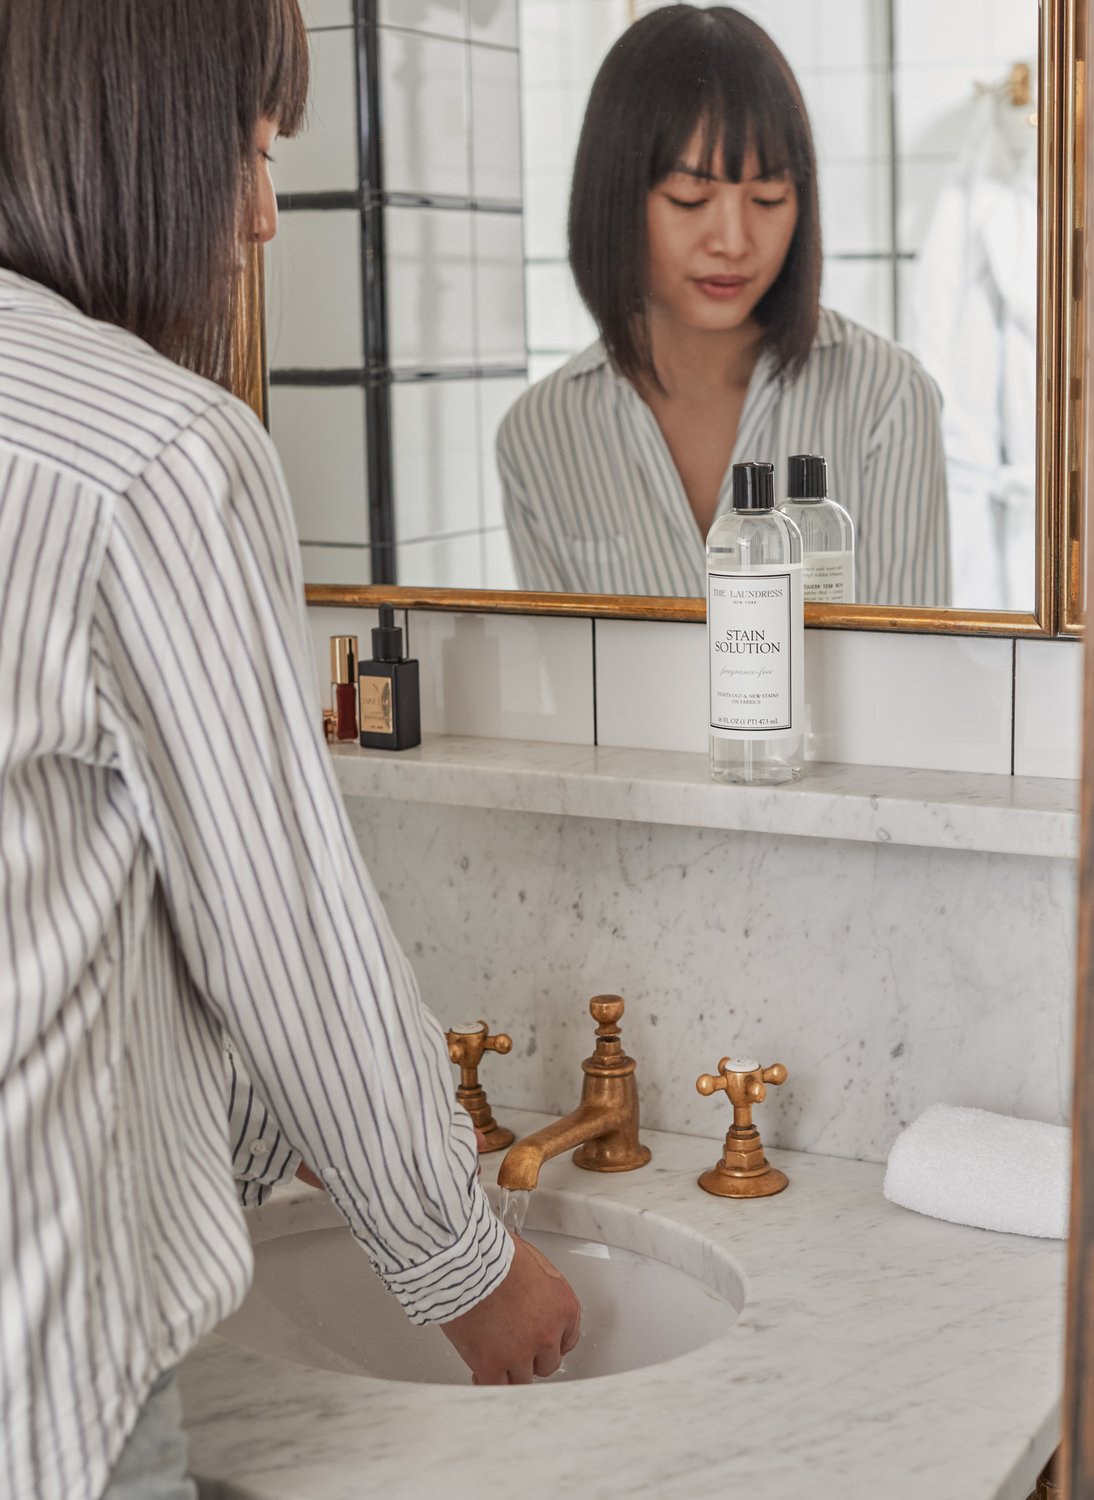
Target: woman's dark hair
678,70
127,155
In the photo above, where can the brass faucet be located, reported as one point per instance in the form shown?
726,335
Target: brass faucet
604,1126
466,1045
743,1170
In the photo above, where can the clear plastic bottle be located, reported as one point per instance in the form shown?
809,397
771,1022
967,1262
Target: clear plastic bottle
755,636
828,532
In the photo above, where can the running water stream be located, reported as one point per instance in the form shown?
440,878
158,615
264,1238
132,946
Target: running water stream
514,1209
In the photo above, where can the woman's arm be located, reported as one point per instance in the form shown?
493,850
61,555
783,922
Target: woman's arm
536,556
904,488
206,691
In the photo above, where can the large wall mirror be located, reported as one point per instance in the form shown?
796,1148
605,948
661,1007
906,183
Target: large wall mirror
420,299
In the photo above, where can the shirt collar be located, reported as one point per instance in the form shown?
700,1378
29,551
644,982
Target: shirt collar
830,331
20,291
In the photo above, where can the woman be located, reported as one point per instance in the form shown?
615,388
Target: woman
695,243
175,861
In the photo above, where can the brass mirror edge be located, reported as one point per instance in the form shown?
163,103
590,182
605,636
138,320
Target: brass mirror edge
656,607
1061,411
1063,441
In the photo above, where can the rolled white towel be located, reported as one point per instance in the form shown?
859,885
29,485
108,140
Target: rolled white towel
991,1171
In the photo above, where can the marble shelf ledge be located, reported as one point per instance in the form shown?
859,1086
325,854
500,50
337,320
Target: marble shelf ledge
992,814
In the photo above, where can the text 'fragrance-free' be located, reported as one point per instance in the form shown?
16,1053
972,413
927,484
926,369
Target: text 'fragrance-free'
755,636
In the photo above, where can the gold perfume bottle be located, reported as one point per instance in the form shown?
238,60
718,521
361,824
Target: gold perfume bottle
388,693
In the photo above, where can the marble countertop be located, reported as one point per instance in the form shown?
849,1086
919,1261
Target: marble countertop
1026,815
878,1352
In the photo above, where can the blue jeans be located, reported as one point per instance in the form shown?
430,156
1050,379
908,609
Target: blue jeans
152,1465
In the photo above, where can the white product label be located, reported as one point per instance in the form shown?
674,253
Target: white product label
756,636
829,577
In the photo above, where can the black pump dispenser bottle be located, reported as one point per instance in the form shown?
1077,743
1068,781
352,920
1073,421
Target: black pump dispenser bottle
390,703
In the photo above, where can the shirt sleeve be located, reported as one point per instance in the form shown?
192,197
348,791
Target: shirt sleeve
906,470
206,687
536,556
261,1154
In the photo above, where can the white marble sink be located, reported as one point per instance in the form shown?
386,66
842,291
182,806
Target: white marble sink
316,1302
875,1350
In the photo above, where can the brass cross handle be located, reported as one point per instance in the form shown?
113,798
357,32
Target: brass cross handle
744,1171
745,1083
466,1047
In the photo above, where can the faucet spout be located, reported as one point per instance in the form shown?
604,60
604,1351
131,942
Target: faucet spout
520,1168
604,1126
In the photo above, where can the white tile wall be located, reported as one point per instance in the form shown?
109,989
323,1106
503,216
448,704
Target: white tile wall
498,241
327,13
442,563
936,105
557,317
436,460
505,676
1048,697
321,437
863,289
498,571
442,17
430,287
849,112
313,298
943,703
494,21
423,100
323,157
651,685
854,197
495,124
933,31
340,565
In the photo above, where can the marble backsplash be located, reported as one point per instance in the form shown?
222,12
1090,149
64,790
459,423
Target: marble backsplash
885,977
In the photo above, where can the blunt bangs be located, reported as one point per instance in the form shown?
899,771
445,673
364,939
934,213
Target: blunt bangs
287,67
679,72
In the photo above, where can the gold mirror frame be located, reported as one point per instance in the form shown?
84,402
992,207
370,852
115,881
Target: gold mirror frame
1075,331
1061,407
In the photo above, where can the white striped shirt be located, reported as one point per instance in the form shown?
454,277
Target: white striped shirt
594,502
176,864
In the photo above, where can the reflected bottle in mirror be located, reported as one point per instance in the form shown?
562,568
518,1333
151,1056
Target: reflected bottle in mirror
755,636
828,532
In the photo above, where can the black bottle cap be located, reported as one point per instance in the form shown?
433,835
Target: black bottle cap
753,486
807,477
387,638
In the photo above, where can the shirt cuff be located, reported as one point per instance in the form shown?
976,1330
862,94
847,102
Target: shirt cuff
457,1278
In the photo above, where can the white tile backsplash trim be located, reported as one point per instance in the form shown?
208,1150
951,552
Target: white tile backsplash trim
505,676
942,703
1048,701
939,702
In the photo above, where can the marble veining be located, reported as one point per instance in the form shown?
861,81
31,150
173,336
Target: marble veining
1021,815
877,1352
885,977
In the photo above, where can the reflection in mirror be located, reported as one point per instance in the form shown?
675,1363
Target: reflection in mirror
913,372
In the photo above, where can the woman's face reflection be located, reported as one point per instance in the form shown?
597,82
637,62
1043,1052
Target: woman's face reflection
716,247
